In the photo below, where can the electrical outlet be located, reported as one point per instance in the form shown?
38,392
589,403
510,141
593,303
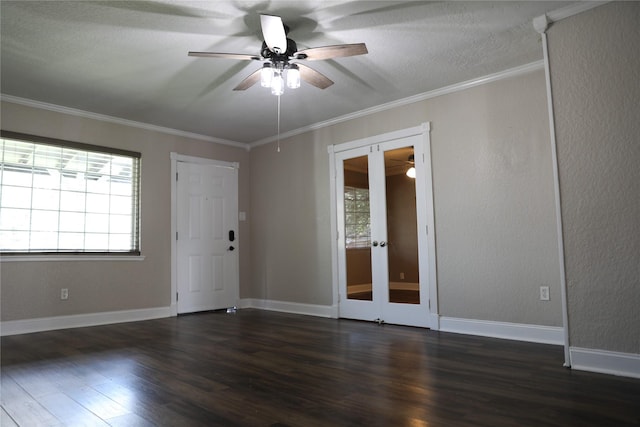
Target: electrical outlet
64,293
544,293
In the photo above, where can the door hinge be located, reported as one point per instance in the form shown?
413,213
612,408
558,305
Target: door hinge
177,296
176,235
427,227
176,176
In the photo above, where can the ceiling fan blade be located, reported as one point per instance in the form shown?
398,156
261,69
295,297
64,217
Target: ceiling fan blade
328,52
249,81
238,56
313,77
274,34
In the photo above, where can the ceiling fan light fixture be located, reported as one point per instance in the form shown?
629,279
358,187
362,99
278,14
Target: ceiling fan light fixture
411,172
266,75
293,76
277,84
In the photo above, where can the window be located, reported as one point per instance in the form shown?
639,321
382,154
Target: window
64,197
357,217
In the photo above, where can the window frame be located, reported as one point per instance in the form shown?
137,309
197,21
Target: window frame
62,254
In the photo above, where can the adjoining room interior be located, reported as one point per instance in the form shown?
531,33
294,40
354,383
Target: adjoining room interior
182,243
401,228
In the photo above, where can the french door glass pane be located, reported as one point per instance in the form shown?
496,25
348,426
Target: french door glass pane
357,231
402,232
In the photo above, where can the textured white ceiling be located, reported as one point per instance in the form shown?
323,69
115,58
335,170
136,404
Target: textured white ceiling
129,59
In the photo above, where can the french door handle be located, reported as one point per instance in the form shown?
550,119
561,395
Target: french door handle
383,244
374,243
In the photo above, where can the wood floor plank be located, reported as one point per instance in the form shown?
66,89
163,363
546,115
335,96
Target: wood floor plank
6,420
22,408
96,402
69,411
258,368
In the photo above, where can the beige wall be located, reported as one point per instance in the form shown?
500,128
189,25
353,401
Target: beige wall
494,209
32,289
595,75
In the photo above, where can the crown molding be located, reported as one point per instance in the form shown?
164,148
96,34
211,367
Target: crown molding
110,119
523,69
573,9
541,23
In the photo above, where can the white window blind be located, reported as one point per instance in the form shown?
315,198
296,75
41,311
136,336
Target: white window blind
357,217
64,197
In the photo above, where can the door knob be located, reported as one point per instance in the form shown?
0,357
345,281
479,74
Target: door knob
383,244
231,248
374,243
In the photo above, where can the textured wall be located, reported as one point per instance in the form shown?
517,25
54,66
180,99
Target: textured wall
32,289
495,221
595,73
493,189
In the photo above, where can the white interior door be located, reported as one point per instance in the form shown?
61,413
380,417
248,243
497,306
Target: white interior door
207,237
383,272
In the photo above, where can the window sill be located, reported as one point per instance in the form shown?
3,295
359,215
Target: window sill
75,257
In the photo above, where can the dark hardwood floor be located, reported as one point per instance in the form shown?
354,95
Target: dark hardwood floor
259,368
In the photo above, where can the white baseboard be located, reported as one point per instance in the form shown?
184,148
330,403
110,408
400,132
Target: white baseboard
26,326
510,331
605,362
291,307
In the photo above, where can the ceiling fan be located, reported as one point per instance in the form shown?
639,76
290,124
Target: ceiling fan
407,165
280,55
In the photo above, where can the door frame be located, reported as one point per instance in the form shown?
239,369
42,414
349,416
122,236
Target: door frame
175,158
424,206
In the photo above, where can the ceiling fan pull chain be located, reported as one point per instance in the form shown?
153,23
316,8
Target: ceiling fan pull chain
278,123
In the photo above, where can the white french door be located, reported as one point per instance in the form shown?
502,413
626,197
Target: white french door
383,267
206,236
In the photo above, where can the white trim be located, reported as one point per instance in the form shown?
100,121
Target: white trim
64,258
203,160
426,200
330,311
333,221
605,362
384,137
573,9
117,120
511,331
26,326
541,24
513,72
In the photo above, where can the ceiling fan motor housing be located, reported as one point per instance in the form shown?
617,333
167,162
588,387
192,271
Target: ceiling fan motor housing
292,48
